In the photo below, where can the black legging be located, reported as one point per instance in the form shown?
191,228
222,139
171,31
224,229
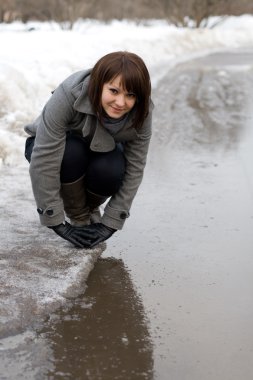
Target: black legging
103,172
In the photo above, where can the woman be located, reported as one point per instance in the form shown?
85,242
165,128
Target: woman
91,144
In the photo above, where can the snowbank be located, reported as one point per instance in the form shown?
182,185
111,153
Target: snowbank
33,62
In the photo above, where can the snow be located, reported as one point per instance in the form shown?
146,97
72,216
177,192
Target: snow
34,59
33,63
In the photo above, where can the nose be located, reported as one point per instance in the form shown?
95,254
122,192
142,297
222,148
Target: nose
120,100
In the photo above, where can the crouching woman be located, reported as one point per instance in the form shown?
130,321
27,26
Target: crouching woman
89,145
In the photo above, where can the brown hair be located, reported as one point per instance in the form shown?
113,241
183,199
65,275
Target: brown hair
135,79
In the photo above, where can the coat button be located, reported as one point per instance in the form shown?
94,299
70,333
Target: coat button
50,212
40,210
123,215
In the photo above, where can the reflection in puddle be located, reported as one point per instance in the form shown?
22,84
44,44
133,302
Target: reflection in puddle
105,335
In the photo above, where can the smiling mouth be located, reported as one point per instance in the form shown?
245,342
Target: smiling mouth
117,109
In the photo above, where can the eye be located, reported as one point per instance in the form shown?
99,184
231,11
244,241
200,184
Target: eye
131,95
113,91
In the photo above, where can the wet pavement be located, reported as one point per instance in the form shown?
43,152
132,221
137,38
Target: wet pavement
171,297
105,335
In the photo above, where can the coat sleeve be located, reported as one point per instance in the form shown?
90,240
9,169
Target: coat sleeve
47,156
135,151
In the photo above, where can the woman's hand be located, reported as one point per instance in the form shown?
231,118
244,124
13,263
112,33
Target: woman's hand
76,235
95,233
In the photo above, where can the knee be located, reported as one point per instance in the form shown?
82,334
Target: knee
105,175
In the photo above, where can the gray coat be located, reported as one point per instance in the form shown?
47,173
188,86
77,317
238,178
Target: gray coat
68,109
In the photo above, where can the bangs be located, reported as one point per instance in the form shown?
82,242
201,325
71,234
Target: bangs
132,80
131,75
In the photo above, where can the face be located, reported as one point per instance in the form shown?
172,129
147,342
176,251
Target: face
116,101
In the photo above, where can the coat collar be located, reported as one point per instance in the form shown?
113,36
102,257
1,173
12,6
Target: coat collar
102,140
80,92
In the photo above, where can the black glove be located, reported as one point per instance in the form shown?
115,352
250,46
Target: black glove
76,235
95,233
